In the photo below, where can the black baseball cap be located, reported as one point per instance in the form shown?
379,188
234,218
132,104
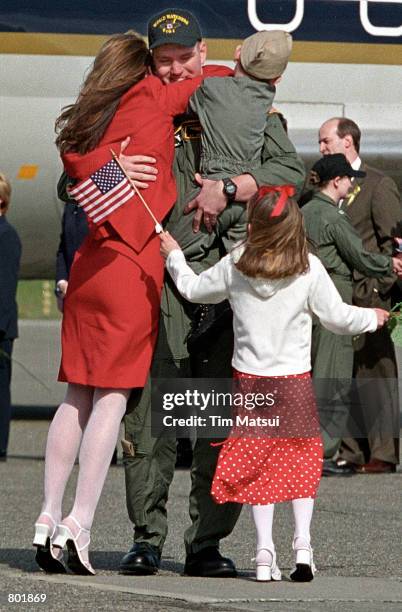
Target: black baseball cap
173,26
330,166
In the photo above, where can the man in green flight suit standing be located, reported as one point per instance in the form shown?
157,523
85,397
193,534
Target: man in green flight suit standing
179,53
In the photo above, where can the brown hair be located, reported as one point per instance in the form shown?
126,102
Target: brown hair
276,246
5,193
348,127
121,62
314,179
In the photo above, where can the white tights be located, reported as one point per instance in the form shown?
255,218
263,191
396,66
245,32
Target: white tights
88,420
263,519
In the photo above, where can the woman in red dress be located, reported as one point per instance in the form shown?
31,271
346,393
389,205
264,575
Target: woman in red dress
112,304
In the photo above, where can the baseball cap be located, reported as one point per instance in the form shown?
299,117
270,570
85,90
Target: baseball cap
173,26
265,55
330,166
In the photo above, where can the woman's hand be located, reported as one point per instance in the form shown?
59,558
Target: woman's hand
382,316
168,244
138,167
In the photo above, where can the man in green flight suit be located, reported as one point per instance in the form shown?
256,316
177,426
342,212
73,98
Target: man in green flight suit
179,53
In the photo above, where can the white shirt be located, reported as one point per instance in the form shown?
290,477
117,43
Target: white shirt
272,319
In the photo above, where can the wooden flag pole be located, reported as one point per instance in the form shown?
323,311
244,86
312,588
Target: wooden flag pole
158,226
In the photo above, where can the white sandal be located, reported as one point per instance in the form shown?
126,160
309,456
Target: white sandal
47,559
266,568
304,564
65,536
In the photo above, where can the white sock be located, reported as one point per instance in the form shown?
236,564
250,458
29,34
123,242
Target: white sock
263,518
302,512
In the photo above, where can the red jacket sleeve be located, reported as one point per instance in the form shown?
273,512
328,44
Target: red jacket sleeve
173,98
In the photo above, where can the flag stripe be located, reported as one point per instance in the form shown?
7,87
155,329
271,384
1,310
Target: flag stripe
109,210
79,187
103,204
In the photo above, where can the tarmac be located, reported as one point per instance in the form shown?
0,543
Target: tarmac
356,531
356,536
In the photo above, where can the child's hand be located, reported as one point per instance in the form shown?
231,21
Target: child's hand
168,244
382,316
397,264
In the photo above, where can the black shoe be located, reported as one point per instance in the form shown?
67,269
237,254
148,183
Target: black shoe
142,559
338,468
209,563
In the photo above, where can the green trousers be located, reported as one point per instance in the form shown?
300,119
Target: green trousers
332,367
149,462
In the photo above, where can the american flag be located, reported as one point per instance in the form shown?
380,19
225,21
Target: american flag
104,191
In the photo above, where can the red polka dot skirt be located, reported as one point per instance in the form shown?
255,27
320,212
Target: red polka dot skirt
258,465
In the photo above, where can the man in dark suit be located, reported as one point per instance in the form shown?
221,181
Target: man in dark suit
10,254
375,210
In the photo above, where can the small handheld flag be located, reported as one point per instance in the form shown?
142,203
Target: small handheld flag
103,192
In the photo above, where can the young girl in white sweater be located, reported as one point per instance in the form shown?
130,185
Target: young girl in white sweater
274,287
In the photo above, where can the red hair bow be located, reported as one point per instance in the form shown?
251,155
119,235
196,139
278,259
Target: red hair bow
284,191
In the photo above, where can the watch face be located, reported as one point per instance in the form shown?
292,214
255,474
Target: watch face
229,187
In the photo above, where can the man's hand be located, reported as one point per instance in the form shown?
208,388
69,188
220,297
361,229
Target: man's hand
137,166
168,244
61,290
382,316
209,203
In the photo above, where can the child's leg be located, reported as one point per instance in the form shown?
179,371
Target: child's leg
263,518
302,512
305,568
265,560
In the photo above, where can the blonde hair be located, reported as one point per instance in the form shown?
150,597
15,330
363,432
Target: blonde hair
5,193
121,63
276,246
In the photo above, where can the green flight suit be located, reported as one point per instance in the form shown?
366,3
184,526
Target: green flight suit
341,251
149,463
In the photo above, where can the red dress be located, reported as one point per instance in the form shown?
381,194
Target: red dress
111,310
258,465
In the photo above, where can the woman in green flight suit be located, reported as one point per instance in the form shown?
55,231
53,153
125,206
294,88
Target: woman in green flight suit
341,251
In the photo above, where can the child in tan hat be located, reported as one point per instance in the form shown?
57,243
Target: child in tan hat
233,114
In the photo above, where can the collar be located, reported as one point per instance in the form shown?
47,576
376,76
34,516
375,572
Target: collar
323,196
2,219
357,163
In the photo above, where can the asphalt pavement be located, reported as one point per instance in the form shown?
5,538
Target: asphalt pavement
356,536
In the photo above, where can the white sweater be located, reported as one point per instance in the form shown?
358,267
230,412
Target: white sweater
272,318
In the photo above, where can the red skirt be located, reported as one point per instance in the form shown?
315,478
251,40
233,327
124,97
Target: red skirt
111,314
259,467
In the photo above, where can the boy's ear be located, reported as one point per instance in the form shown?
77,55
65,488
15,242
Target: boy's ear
237,53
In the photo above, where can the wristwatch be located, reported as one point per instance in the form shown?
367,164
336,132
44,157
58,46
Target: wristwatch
229,189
